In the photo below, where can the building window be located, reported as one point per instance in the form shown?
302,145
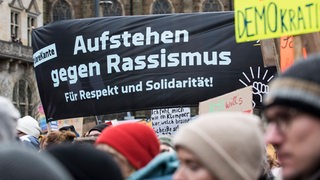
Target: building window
61,10
161,7
15,24
212,5
31,25
111,8
22,98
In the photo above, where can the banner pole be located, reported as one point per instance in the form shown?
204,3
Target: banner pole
97,120
48,127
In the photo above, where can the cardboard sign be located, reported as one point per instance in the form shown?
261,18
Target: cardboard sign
167,121
286,52
95,66
239,100
76,122
263,19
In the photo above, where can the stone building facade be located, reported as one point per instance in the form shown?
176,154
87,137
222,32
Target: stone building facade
17,78
69,9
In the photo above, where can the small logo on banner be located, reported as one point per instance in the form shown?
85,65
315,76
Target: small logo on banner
259,83
45,54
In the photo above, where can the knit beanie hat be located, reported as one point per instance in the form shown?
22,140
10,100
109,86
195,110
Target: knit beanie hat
20,163
298,87
8,120
29,126
229,144
166,139
69,128
137,142
84,161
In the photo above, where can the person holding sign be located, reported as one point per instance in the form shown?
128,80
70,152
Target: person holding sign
221,145
166,143
292,111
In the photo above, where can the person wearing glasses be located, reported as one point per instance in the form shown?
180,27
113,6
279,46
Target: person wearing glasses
292,112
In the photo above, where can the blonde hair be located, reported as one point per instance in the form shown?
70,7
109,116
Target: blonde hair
125,166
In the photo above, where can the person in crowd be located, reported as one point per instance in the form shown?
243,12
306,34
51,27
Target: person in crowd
133,145
266,173
28,131
273,161
42,139
85,140
221,145
91,136
166,144
21,163
69,128
9,116
96,130
292,111
85,162
161,167
57,137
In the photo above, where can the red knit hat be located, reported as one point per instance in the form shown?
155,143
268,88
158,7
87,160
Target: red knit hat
135,141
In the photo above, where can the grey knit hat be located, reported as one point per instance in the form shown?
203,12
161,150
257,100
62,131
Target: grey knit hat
21,163
229,144
298,87
166,139
8,120
29,126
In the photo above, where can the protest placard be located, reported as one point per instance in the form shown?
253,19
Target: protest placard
168,120
239,100
263,19
76,122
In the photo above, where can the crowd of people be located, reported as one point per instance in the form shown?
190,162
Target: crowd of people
213,146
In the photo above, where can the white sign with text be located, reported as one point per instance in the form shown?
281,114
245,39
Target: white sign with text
167,121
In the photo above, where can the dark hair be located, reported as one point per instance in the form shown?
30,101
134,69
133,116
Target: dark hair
85,140
69,128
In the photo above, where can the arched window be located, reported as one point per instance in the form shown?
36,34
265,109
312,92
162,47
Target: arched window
212,5
111,8
161,7
61,10
22,97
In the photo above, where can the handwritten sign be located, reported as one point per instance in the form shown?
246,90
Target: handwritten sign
167,121
265,19
239,100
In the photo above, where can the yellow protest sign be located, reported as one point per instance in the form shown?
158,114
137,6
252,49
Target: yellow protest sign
263,19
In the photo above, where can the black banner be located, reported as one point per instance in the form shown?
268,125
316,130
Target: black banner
115,64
